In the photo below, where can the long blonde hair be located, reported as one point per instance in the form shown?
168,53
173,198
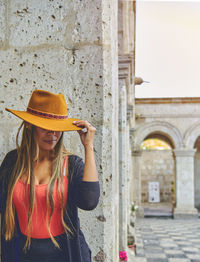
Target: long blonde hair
28,152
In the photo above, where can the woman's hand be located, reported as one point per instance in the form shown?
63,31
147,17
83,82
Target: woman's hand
87,137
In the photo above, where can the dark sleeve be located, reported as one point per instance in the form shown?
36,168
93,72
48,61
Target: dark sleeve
5,173
85,194
9,160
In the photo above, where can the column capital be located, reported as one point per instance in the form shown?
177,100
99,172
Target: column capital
129,111
136,152
184,152
140,212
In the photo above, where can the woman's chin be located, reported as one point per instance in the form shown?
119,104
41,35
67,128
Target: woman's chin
47,147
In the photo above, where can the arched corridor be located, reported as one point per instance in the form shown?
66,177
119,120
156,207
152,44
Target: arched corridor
174,169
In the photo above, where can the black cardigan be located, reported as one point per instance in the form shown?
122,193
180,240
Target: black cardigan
81,194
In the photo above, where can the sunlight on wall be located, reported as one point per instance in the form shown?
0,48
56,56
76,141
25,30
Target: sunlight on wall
154,144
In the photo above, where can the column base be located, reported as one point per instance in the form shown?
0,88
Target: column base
140,212
185,213
131,254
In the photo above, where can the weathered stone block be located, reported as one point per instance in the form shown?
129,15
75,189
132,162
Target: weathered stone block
39,22
88,27
3,20
61,22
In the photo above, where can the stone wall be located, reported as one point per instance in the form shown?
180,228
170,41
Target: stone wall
158,165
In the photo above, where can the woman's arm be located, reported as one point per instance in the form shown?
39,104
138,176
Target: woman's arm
87,190
85,194
87,139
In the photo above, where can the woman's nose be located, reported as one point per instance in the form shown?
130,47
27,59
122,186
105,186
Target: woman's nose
53,132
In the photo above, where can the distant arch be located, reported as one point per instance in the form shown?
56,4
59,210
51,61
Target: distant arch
191,135
163,129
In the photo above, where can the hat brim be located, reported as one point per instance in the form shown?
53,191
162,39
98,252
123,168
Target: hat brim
46,123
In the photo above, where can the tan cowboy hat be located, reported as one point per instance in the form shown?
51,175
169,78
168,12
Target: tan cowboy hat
48,111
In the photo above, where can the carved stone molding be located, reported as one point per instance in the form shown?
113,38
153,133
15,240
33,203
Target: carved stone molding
125,66
163,128
191,135
184,152
167,116
137,153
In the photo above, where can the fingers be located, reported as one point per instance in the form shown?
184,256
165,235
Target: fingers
82,131
85,124
87,133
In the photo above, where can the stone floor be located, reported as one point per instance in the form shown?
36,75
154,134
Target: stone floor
167,240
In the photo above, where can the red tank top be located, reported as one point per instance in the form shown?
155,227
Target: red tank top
38,224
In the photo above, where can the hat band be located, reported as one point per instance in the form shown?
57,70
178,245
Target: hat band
45,115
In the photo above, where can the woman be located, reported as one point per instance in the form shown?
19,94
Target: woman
42,186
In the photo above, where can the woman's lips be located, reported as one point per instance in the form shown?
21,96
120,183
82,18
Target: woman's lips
50,141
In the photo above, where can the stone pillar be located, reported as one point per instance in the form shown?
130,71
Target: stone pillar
128,172
185,183
68,47
108,242
136,182
122,167
197,177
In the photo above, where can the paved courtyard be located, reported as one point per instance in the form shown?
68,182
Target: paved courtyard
167,240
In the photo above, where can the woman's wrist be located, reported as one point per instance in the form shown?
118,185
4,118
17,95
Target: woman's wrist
89,147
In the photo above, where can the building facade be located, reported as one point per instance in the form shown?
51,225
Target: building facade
175,120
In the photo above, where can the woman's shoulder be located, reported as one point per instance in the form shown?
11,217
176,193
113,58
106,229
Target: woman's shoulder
6,169
76,166
9,160
75,161
74,158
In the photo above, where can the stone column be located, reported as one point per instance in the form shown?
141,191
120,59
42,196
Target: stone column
128,172
185,183
68,47
136,182
122,166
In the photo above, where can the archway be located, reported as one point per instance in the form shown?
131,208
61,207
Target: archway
197,175
164,129
192,140
191,136
166,133
158,179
